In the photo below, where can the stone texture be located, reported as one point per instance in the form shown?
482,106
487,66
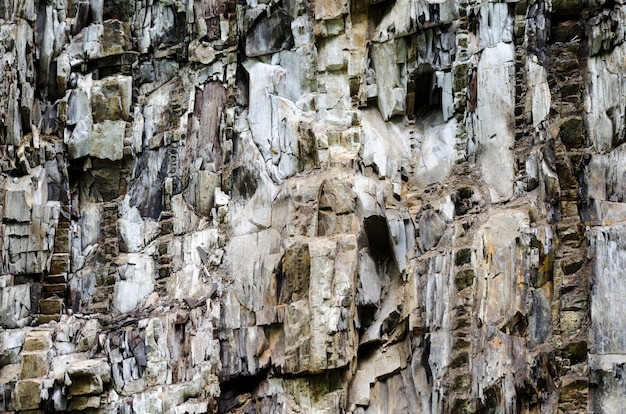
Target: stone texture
322,207
106,140
88,377
15,306
27,394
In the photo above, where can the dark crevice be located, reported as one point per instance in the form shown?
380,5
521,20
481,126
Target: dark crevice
367,315
236,391
377,233
491,401
424,360
239,395
423,93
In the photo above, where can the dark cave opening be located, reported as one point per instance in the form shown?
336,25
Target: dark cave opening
423,93
377,233
236,391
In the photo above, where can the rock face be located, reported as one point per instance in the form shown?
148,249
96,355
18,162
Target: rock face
283,206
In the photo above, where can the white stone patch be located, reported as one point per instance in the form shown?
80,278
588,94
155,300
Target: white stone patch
185,219
149,402
369,195
496,278
137,282
437,153
15,306
333,54
391,89
397,21
221,198
18,199
608,247
264,80
194,278
79,115
302,31
402,233
276,135
496,25
90,224
493,122
539,90
106,140
604,103
254,256
333,100
384,144
205,239
134,230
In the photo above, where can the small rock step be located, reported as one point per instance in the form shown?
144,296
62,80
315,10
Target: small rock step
60,263
102,307
55,279
38,340
64,217
103,293
111,247
41,319
53,306
62,240
53,289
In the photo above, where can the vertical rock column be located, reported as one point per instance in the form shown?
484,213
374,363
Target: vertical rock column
602,204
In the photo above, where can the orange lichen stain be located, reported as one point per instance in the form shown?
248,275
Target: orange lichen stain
497,342
490,252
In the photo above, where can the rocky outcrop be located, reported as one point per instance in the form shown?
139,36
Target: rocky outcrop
327,206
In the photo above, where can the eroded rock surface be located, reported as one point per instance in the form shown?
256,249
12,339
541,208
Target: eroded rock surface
312,207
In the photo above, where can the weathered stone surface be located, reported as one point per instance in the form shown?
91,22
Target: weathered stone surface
84,403
27,394
106,140
376,366
38,340
228,207
18,199
88,335
111,98
34,364
606,242
605,110
269,34
137,273
494,119
88,377
15,306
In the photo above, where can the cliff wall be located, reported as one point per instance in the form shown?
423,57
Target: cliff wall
329,206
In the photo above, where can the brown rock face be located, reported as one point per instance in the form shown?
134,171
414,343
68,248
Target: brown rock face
315,206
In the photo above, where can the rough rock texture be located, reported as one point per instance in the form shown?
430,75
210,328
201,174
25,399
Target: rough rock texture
323,206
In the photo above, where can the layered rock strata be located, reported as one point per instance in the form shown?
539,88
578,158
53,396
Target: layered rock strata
321,207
